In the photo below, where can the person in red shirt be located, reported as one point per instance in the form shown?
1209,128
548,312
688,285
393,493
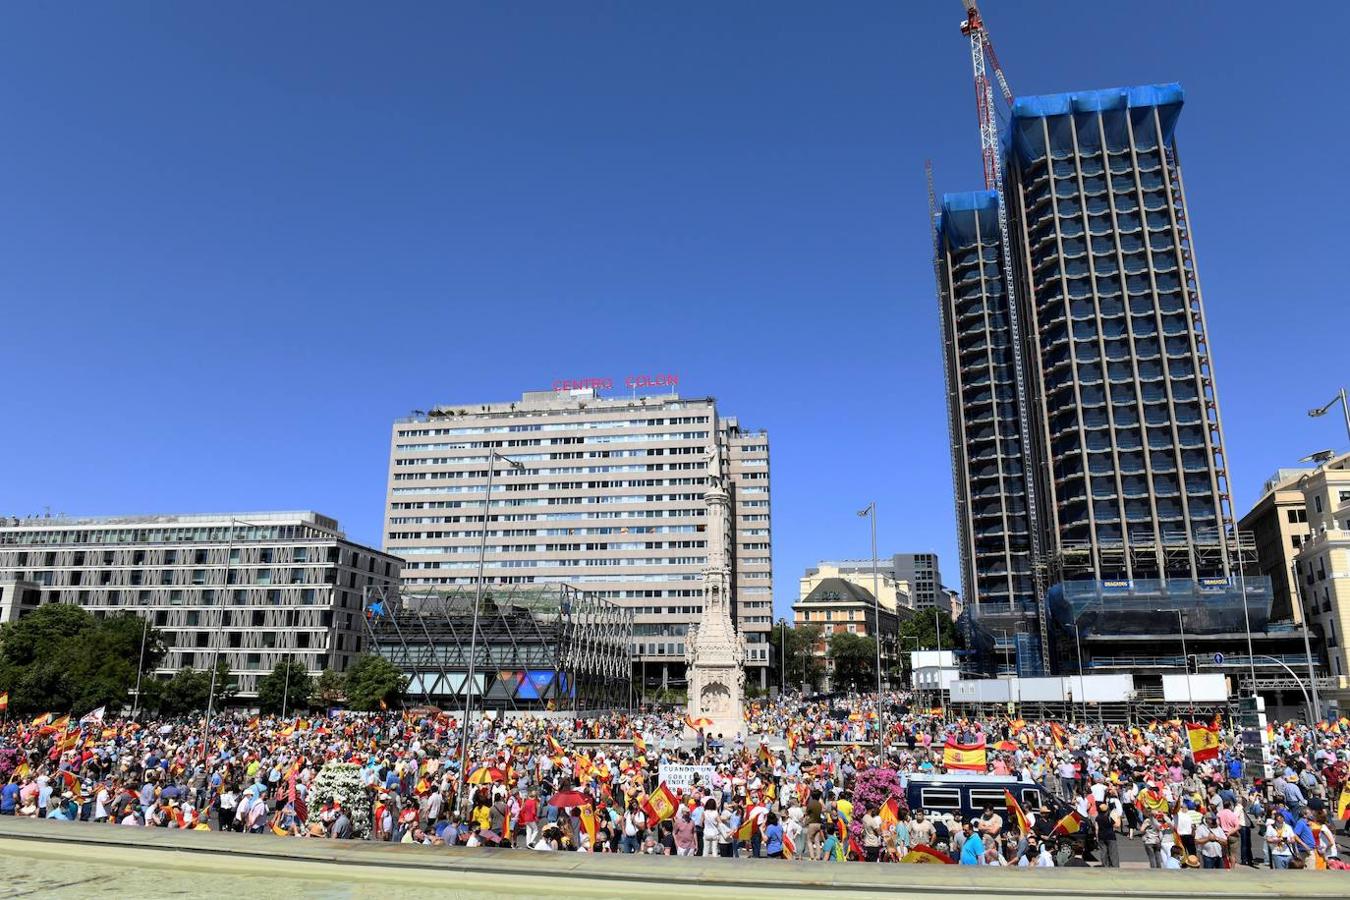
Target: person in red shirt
529,817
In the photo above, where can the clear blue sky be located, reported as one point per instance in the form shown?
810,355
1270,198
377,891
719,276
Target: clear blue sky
237,240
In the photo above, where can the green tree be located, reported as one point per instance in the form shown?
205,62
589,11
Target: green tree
854,657
184,693
802,665
331,687
286,688
62,658
373,678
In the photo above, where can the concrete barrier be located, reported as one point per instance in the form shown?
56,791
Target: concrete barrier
86,853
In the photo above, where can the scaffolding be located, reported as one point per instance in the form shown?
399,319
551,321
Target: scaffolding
538,647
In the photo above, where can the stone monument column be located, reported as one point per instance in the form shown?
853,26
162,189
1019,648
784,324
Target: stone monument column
714,652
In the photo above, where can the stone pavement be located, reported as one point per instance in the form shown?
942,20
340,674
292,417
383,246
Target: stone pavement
80,859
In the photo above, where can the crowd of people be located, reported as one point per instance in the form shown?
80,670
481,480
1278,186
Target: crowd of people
807,781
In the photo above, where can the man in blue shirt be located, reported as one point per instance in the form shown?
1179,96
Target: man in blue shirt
972,851
9,799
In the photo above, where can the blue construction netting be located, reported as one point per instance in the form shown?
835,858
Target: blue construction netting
968,217
1055,113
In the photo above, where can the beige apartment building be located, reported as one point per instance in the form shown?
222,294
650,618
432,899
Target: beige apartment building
254,589
893,593
608,497
1279,524
1323,560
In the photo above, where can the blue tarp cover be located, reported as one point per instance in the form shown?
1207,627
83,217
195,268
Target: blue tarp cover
1026,127
967,217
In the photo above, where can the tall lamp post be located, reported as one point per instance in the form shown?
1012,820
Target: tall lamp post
493,456
1307,646
1345,408
871,513
1185,659
1078,645
782,657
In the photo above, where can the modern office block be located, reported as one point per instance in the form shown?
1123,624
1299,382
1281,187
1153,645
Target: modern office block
254,589
609,500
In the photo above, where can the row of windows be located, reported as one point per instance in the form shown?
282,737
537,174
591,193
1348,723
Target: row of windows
601,562
547,532
533,517
558,426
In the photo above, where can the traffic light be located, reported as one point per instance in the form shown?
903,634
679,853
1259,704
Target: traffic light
1192,664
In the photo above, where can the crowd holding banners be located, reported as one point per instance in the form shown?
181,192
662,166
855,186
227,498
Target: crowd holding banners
807,784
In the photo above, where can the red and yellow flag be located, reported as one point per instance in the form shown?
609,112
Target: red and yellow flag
4,702
789,847
639,744
1204,741
1057,732
1343,803
890,813
661,805
1070,824
1016,813
747,828
554,748
964,757
588,823
923,853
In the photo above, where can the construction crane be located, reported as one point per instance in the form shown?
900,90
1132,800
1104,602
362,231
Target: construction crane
982,59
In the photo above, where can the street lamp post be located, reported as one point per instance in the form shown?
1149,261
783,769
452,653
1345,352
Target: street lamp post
286,686
1345,408
1181,624
782,657
1078,645
871,513
1307,646
493,456
140,666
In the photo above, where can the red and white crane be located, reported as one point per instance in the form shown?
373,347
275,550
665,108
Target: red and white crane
983,60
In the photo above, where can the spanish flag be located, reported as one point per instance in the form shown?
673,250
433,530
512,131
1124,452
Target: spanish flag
923,853
554,748
764,755
747,828
890,813
1017,725
964,757
1204,741
1070,824
789,846
1057,732
588,823
4,702
792,741
640,744
661,805
1016,813
1343,803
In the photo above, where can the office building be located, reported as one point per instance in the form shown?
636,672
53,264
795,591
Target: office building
1278,523
838,604
894,594
254,589
1097,380
1323,563
608,499
918,573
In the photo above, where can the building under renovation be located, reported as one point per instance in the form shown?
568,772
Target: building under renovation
1088,456
546,647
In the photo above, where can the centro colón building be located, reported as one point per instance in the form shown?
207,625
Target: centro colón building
1089,462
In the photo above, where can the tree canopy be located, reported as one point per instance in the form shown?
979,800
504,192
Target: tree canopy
801,665
854,658
286,688
62,658
373,678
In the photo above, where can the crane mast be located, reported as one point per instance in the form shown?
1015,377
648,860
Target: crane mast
982,59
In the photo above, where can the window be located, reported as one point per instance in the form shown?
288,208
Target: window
199,556
300,554
199,576
1317,502
1344,496
1297,515
940,798
982,797
265,555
